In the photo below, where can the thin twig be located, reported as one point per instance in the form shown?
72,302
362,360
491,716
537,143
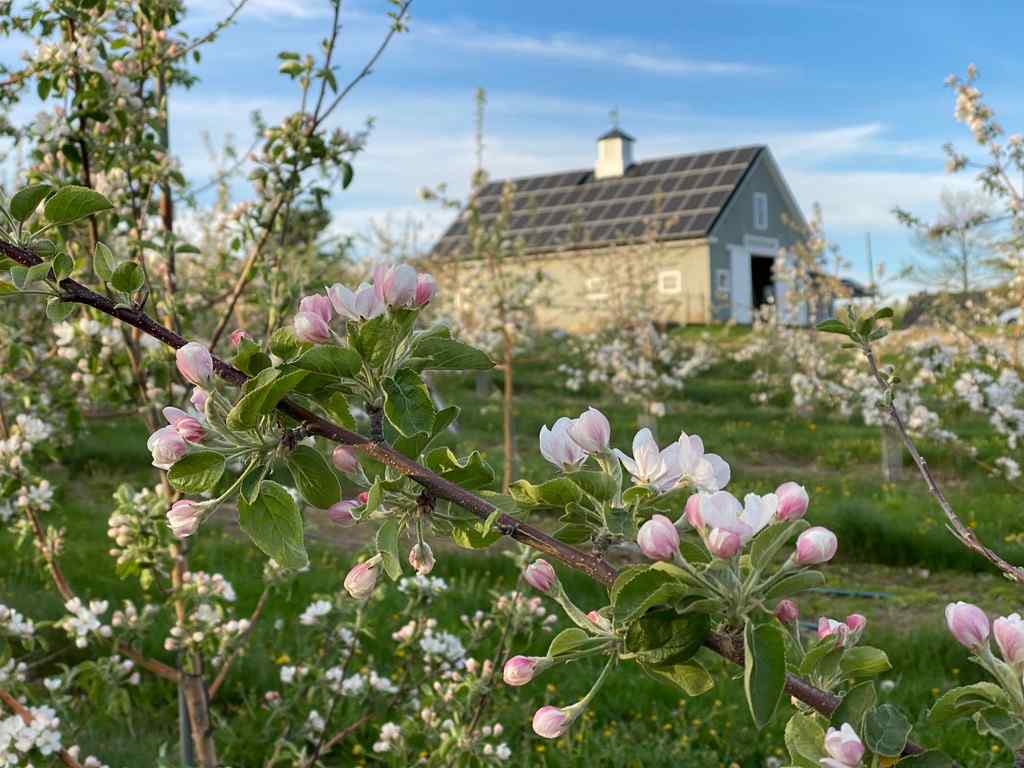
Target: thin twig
15,706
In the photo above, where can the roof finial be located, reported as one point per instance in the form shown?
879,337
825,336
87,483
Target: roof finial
614,116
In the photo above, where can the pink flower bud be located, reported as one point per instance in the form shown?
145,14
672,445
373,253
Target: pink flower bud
198,399
519,670
724,544
591,431
183,518
787,612
195,364
692,512
316,304
856,622
816,546
360,581
968,624
550,722
341,512
793,501
237,335
831,628
167,446
658,538
421,558
344,459
426,288
844,747
540,575
187,426
363,497
311,328
1009,633
398,286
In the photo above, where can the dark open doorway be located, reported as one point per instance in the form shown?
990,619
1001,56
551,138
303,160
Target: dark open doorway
763,287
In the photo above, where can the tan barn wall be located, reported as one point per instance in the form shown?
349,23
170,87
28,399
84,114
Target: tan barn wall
582,289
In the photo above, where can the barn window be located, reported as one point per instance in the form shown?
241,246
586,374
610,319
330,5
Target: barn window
722,280
596,288
760,210
670,281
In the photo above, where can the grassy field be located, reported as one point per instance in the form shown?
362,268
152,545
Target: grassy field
892,545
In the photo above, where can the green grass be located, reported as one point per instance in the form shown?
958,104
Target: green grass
889,534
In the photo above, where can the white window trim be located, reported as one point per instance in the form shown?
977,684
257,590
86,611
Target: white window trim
670,281
595,287
760,211
722,282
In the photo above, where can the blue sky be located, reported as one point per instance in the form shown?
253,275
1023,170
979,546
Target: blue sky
849,95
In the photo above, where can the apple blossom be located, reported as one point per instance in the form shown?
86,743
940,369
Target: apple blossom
341,512
787,612
362,578
844,748
723,511
317,305
550,722
167,446
426,288
646,466
658,538
183,518
559,448
398,285
815,546
195,364
591,431
345,459
198,399
793,501
187,426
421,558
968,624
364,303
311,328
724,544
686,462
692,512
519,670
1009,634
237,335
540,575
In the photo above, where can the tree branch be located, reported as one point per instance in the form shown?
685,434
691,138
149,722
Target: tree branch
594,566
15,706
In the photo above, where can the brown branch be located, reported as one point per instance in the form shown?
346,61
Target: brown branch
956,526
594,566
15,706
222,673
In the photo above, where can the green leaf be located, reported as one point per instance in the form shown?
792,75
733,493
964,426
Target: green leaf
599,485
1003,725
665,638
197,472
373,498
931,758
557,492
74,203
764,673
128,277
284,344
337,408
886,730
857,702
25,201
62,266
833,326
36,273
864,661
266,391
444,418
769,541
19,277
633,595
387,546
58,310
104,263
567,641
965,701
274,524
471,473
347,171
690,676
338,362
883,313
407,402
805,740
795,584
446,354
314,477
